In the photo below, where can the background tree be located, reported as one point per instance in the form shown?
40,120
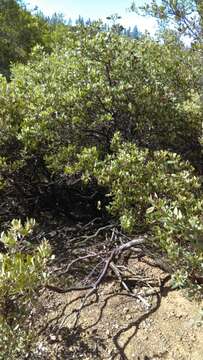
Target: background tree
186,18
56,19
19,32
185,15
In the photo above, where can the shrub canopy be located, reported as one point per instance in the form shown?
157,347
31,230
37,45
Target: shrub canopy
98,83
62,113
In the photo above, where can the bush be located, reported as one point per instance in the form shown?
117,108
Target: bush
69,105
20,31
22,272
82,94
153,192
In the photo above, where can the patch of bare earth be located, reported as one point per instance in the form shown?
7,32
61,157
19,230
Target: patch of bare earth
116,326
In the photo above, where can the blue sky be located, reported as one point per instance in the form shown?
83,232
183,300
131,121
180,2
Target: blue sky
95,9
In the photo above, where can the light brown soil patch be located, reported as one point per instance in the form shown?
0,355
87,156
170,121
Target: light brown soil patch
118,327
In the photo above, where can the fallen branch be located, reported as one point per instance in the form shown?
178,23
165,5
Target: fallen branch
115,252
103,258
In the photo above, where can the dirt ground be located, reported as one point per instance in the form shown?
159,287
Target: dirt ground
115,326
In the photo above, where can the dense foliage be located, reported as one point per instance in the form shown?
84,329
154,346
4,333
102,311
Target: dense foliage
20,31
154,192
81,94
22,272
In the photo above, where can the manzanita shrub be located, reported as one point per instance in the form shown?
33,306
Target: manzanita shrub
62,112
23,270
153,192
97,83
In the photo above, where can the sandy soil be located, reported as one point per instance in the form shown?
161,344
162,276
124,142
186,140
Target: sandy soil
117,327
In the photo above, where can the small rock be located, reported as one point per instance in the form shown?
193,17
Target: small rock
128,317
52,338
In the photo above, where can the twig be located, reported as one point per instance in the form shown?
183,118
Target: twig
67,268
137,241
95,286
64,290
138,296
86,238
